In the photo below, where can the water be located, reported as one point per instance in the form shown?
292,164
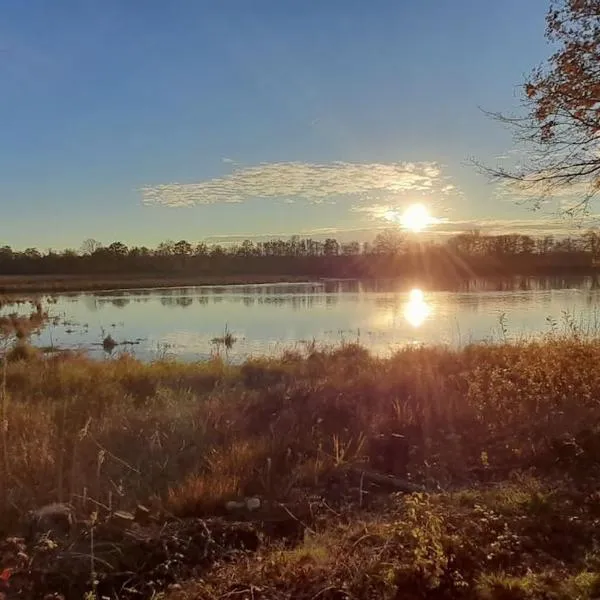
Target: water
265,319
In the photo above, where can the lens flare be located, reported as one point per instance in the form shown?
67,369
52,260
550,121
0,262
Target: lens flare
416,218
416,310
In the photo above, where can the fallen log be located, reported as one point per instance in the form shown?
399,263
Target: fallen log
389,481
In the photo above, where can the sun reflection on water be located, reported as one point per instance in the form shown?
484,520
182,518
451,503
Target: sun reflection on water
416,309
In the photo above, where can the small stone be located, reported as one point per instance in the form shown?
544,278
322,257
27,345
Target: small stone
122,518
234,505
252,504
57,518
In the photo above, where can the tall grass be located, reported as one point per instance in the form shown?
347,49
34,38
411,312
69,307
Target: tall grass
193,435
186,438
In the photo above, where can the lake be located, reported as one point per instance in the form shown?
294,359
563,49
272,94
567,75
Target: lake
266,319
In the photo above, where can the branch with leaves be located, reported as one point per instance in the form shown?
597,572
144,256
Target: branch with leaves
561,126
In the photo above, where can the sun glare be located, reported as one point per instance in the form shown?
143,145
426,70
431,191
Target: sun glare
416,309
416,218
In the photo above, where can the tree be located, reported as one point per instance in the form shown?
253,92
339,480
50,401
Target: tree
562,98
201,249
245,249
166,248
31,253
6,254
118,249
351,249
591,240
331,247
90,246
389,242
182,248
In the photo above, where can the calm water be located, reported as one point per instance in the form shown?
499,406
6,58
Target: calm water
266,319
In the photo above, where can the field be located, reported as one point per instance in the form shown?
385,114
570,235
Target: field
288,478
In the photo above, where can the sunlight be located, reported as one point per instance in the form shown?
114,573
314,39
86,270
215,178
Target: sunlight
416,309
416,218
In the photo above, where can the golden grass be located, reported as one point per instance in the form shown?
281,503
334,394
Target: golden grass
189,437
19,284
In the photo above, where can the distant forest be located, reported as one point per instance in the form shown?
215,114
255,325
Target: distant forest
390,254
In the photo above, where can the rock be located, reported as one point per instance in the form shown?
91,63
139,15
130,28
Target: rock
234,505
253,504
57,518
122,519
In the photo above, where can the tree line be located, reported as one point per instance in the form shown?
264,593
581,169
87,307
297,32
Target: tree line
391,253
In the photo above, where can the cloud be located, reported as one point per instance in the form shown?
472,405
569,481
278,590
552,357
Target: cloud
297,180
544,225
534,227
228,161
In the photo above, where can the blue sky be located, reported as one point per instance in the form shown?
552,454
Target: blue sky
148,120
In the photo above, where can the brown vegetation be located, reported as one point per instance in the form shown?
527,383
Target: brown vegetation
504,440
33,284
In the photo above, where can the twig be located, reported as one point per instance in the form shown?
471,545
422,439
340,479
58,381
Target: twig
401,485
331,588
93,559
88,499
360,489
115,457
289,512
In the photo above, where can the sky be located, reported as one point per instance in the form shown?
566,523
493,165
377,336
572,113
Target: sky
147,120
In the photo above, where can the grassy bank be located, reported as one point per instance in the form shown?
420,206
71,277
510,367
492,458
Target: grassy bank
30,284
503,440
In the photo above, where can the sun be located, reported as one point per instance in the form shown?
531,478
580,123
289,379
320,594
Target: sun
416,218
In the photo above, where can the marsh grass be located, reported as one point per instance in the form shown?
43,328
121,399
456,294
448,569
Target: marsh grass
188,437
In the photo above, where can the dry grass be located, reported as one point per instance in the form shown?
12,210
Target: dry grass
20,284
470,545
189,437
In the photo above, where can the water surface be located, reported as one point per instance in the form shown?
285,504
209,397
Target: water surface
265,319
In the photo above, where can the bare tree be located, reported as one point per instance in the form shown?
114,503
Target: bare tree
90,246
561,129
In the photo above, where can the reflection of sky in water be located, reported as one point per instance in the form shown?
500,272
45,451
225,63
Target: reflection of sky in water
269,318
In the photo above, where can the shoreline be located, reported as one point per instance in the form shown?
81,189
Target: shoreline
12,285
50,284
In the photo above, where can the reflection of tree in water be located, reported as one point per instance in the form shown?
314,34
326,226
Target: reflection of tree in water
524,284
591,299
387,302
306,301
90,302
120,302
168,301
177,297
203,300
184,301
